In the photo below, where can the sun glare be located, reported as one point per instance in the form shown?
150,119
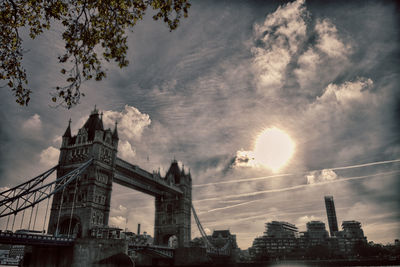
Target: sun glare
273,148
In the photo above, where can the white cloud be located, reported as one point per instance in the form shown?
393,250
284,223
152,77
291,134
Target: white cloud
245,158
120,210
33,123
131,122
208,231
57,140
321,176
278,38
118,221
329,41
308,63
346,92
49,156
125,150
323,61
303,220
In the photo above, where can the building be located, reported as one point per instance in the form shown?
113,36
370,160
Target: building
279,239
316,234
331,213
220,238
352,229
277,229
351,235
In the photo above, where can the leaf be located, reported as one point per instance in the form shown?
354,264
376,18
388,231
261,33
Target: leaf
87,26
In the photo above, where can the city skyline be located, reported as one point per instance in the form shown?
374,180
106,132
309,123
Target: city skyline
325,74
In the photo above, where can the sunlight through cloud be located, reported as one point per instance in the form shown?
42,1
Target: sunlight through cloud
273,148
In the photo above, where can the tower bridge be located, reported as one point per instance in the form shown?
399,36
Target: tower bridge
87,169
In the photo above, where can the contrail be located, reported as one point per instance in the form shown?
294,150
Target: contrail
232,206
244,180
291,174
366,164
295,187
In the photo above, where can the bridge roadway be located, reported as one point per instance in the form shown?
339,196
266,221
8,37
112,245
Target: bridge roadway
129,175
8,237
152,250
28,239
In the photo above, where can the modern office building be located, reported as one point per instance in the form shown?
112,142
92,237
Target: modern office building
331,213
279,239
277,229
316,233
351,235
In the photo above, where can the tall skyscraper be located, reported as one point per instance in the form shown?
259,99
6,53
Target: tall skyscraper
331,213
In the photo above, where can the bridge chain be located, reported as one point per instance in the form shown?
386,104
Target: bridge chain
225,250
29,194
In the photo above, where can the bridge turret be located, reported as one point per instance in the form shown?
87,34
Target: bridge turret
173,211
89,199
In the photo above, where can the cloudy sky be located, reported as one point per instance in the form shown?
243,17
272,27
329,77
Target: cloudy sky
326,74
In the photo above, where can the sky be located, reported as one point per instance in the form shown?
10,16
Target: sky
325,73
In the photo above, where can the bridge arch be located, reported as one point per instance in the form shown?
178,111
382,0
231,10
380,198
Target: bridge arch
70,226
171,241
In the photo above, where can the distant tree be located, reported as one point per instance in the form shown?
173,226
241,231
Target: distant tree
318,252
365,250
89,27
263,255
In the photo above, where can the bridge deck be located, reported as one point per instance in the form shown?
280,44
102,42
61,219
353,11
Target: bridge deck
132,176
154,251
34,239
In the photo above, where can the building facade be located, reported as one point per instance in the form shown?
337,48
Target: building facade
350,236
316,234
279,239
331,214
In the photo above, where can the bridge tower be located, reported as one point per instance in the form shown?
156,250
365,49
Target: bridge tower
172,212
85,204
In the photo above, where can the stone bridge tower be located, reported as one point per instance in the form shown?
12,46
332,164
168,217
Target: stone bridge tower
85,204
172,218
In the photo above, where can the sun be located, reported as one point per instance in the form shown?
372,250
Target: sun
273,148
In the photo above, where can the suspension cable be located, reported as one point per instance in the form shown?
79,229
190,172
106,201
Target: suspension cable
37,208
8,219
47,208
59,210
73,205
30,219
22,219
12,227
15,215
207,242
34,221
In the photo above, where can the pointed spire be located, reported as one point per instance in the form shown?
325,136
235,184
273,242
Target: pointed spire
183,169
68,130
95,111
115,133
